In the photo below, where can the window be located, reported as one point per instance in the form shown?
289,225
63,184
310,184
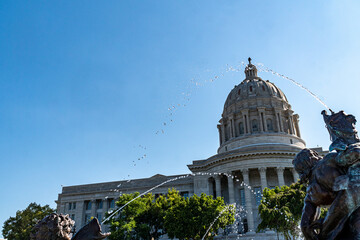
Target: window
269,124
242,197
73,216
74,205
251,88
87,218
99,216
70,206
257,195
185,194
112,203
88,205
99,204
254,125
241,128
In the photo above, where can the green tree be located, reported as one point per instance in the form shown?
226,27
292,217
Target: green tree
141,219
281,208
20,226
183,218
192,217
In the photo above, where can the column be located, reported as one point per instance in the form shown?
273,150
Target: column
79,214
233,126
105,209
261,119
231,188
280,173
248,122
93,208
211,187
250,217
263,180
244,123
222,132
220,137
277,121
265,123
218,185
63,208
296,123
292,131
281,122
295,174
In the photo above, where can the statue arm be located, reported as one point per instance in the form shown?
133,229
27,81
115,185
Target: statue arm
309,215
348,156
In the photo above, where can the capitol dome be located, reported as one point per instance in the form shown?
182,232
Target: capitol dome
257,112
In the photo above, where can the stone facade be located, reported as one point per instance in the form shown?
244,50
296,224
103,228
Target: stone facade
259,136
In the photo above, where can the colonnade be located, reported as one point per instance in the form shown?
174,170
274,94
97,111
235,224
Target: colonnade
247,191
232,123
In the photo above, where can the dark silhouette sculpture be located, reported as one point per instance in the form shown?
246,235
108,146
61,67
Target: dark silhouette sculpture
91,231
58,227
53,227
332,181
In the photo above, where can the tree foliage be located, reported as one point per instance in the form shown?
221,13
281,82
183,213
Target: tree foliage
20,226
192,217
281,208
177,216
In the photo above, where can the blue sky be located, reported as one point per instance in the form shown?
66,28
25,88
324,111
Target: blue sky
84,83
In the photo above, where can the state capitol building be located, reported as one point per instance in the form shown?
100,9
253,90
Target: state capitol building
259,137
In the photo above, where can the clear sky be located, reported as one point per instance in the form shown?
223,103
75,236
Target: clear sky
84,83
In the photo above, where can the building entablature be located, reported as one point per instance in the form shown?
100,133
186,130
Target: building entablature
249,159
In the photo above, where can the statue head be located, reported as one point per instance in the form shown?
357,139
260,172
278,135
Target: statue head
53,227
341,127
303,163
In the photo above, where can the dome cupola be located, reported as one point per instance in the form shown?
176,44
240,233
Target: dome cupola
257,112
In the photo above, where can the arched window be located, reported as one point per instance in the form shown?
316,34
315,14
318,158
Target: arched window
241,128
269,124
254,125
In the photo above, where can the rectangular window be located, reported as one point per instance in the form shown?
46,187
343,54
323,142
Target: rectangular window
98,216
242,197
185,194
88,205
70,207
74,205
73,216
87,218
111,203
257,195
99,204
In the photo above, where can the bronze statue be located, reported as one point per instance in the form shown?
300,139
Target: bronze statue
91,231
333,181
58,227
53,227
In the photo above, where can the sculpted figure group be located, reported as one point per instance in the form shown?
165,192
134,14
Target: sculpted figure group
332,181
59,226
